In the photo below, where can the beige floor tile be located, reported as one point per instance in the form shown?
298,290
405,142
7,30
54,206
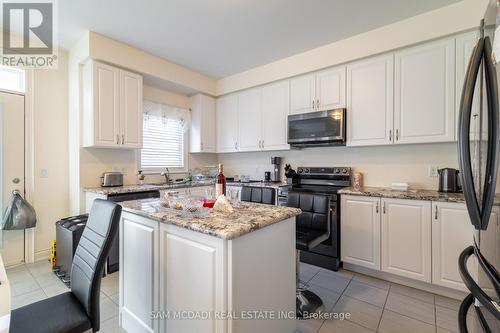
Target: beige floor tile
342,326
447,302
115,298
111,326
39,267
411,307
340,273
309,325
360,312
330,281
328,296
18,274
55,289
366,293
448,319
412,292
393,322
371,281
108,308
47,279
25,299
307,272
110,284
24,286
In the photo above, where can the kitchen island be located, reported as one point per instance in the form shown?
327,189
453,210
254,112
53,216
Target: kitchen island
223,272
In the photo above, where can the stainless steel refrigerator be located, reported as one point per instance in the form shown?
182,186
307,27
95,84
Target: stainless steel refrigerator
478,152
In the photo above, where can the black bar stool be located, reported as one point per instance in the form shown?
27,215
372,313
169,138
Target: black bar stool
312,228
258,195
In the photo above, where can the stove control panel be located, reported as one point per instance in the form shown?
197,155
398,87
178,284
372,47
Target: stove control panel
344,171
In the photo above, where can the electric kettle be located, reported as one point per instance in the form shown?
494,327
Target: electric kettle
448,180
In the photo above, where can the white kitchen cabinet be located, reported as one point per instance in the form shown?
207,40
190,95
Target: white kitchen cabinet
360,231
424,107
275,111
141,267
227,123
452,232
250,120
112,107
202,132
330,89
370,101
406,238
303,94
320,91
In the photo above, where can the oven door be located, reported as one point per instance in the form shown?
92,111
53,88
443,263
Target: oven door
325,128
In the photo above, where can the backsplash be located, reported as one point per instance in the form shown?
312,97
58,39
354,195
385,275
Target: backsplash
380,165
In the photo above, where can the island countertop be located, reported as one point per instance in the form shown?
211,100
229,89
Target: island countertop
416,194
247,218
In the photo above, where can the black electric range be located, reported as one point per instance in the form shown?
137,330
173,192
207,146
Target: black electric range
324,180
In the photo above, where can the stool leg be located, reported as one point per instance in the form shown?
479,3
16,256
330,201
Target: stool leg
307,301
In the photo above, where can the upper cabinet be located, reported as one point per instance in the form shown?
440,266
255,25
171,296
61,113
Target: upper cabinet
202,132
370,96
249,119
275,111
319,91
424,107
112,107
227,123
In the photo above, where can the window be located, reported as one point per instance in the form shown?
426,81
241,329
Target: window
164,137
12,79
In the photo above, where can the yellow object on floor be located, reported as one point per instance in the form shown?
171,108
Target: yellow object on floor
53,257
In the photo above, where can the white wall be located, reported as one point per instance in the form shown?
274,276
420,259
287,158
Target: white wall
50,136
380,165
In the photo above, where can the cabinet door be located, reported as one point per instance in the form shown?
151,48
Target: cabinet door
275,110
330,89
406,238
106,105
131,110
303,97
191,279
452,232
138,273
227,123
196,127
208,125
370,101
425,93
360,231
250,119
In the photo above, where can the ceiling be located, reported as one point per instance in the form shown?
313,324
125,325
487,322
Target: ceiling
223,37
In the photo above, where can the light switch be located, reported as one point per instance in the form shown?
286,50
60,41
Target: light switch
44,173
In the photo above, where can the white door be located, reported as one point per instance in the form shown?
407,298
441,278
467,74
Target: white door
302,94
250,120
208,125
330,89
227,123
406,238
131,109
452,232
138,273
360,231
370,101
106,96
424,109
11,170
275,110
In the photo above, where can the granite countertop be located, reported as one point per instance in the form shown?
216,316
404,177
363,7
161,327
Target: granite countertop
145,187
415,194
243,220
257,184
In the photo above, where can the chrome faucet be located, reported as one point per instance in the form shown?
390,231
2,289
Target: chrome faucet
166,174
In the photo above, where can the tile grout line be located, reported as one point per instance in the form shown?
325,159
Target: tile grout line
383,308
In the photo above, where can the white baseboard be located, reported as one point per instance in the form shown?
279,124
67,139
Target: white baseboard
443,291
42,254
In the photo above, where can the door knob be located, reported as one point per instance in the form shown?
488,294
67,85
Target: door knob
16,180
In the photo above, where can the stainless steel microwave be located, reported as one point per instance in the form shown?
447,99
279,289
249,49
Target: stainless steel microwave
323,128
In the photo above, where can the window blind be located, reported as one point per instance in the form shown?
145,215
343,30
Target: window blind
163,139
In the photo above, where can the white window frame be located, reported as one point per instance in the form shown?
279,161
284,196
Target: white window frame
171,170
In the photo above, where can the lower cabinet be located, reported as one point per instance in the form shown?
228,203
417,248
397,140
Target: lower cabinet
406,238
360,231
138,296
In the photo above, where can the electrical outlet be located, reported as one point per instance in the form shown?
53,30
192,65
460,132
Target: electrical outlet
433,171
44,173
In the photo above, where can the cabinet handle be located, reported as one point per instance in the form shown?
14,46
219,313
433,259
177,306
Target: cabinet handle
317,104
313,103
123,139
118,139
262,144
376,207
397,135
383,208
390,135
201,146
436,213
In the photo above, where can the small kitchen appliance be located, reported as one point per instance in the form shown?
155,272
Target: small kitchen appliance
109,179
448,180
267,176
276,161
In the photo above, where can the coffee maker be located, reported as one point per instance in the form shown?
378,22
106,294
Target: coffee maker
276,162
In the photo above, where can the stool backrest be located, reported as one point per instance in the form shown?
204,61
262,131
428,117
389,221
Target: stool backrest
315,210
265,195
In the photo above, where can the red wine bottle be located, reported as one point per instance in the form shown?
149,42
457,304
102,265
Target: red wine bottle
220,183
